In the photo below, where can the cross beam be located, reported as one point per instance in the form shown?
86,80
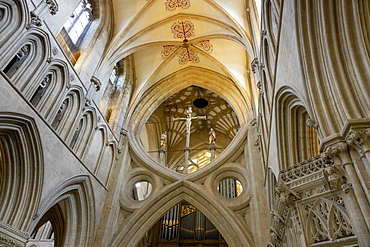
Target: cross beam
188,125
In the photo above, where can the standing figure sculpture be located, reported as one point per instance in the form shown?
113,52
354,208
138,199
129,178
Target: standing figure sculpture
163,140
212,136
188,119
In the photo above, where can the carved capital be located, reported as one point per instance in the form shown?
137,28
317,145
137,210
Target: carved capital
312,123
333,176
123,132
254,65
96,82
35,21
360,140
286,195
53,6
341,150
347,187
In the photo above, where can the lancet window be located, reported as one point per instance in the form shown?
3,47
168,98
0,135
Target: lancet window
40,91
17,60
79,21
60,113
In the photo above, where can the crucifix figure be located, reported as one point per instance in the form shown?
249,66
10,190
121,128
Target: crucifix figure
188,124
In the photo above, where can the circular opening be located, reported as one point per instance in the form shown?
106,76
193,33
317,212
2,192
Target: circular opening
230,187
141,190
200,103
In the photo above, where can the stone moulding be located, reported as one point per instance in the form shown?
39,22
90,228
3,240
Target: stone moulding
10,236
303,169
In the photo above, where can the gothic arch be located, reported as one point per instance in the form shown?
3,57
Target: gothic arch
13,16
21,170
268,18
235,232
38,46
99,141
297,132
73,200
326,221
84,131
156,94
57,75
104,166
337,80
68,114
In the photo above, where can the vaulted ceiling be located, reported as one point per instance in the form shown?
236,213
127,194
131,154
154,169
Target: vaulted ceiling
174,39
224,35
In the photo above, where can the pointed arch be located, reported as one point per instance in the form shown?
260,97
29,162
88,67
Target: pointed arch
84,131
104,167
56,77
215,82
96,147
37,45
68,112
328,221
21,170
73,200
13,16
297,131
235,231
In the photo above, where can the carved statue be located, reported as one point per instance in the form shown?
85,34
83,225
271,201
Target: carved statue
212,136
163,139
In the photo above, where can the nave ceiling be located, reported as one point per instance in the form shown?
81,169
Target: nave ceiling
219,32
172,39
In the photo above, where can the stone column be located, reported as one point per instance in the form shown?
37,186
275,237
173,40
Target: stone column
212,148
358,222
341,149
162,152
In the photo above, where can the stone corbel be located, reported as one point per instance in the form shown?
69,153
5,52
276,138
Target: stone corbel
53,6
360,140
333,176
254,65
341,150
287,195
35,21
312,123
347,187
96,82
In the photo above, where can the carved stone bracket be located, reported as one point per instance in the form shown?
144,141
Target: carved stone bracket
254,65
347,187
35,21
287,195
333,176
53,6
96,82
360,140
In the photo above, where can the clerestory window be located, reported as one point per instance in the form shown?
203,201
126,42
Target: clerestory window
114,75
79,21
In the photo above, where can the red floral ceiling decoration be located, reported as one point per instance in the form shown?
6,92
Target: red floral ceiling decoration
187,51
182,30
171,5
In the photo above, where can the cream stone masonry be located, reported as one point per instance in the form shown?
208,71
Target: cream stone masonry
89,87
